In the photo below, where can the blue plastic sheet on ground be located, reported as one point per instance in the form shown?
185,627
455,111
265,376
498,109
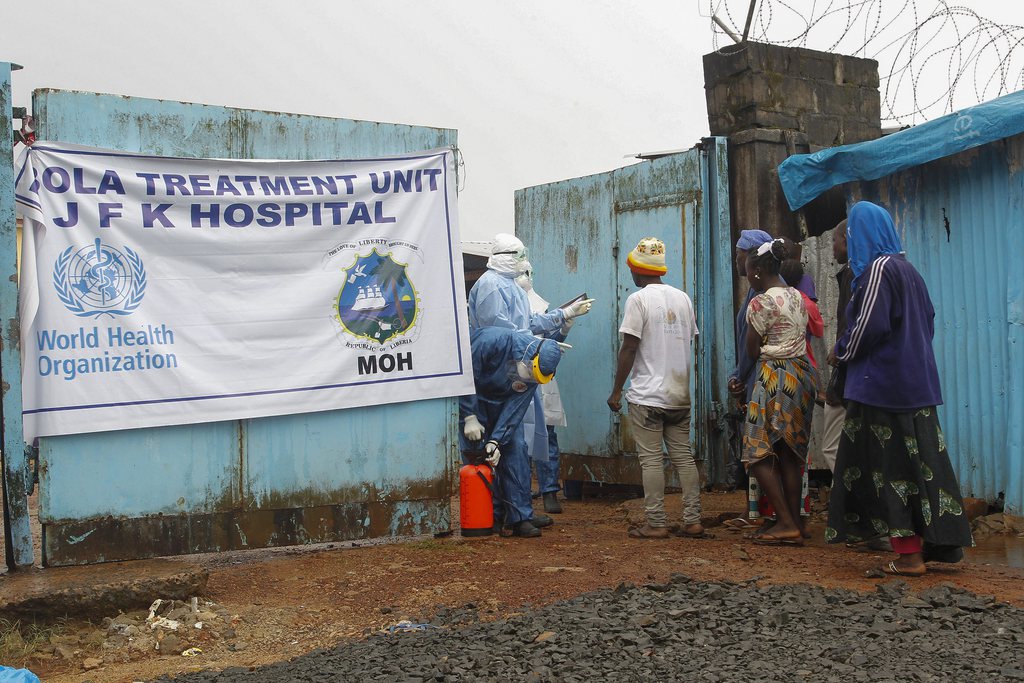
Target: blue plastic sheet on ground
9,675
805,176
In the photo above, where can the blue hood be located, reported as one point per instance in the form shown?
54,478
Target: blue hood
870,233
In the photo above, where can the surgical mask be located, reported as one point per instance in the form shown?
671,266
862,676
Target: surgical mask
525,281
528,367
525,372
522,369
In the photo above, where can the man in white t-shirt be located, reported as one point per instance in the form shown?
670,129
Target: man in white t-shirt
658,328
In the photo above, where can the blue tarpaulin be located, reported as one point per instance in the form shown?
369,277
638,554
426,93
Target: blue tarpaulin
9,675
805,176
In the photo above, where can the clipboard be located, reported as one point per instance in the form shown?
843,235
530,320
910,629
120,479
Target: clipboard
573,300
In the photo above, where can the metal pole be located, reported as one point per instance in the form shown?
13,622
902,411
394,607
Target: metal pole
17,481
750,18
728,31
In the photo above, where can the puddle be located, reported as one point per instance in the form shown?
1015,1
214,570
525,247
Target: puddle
998,549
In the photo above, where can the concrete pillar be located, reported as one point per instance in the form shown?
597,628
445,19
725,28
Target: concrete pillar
773,101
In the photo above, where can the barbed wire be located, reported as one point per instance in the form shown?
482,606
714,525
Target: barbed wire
933,57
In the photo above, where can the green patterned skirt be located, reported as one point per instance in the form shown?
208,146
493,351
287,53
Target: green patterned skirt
893,478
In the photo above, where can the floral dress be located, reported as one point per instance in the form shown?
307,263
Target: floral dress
782,402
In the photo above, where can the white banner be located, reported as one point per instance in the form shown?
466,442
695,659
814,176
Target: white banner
161,291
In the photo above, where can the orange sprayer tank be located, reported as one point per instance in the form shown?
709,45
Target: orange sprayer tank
476,509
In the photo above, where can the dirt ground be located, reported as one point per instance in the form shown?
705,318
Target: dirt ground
291,601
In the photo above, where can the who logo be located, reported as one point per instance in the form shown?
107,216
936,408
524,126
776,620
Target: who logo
99,280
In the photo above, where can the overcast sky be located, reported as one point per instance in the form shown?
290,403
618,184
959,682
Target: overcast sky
538,90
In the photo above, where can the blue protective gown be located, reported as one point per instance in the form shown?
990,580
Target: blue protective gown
497,301
500,402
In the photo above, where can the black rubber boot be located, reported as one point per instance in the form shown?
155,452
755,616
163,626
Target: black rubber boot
541,521
525,529
551,503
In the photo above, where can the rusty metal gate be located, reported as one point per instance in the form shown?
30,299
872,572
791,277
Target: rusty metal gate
579,232
337,475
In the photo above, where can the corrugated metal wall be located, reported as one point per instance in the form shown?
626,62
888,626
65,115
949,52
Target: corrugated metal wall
818,262
962,223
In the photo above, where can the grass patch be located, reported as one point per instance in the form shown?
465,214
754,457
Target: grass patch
19,642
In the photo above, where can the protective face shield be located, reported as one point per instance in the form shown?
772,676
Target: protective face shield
539,376
520,254
528,367
529,371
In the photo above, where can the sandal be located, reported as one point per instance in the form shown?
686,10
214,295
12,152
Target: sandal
764,528
647,531
768,538
872,545
893,570
741,523
683,533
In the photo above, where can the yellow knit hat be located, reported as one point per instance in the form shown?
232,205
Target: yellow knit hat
648,257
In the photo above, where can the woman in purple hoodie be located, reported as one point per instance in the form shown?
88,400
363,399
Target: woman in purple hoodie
893,476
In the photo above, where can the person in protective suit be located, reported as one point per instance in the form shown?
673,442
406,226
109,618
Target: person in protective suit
497,301
507,367
545,463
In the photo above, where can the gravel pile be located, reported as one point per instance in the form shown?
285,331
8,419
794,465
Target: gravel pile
690,631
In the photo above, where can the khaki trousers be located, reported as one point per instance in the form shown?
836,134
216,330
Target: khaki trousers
833,429
653,427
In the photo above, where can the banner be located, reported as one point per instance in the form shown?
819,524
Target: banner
162,291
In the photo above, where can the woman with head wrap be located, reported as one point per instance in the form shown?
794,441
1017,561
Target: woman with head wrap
778,416
741,379
893,476
741,385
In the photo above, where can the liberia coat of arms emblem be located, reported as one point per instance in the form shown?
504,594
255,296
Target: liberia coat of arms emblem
377,300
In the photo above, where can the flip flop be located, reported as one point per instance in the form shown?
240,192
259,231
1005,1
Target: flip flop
893,570
758,532
872,545
768,538
703,534
740,523
645,532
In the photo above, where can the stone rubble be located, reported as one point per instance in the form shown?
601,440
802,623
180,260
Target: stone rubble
684,630
169,627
